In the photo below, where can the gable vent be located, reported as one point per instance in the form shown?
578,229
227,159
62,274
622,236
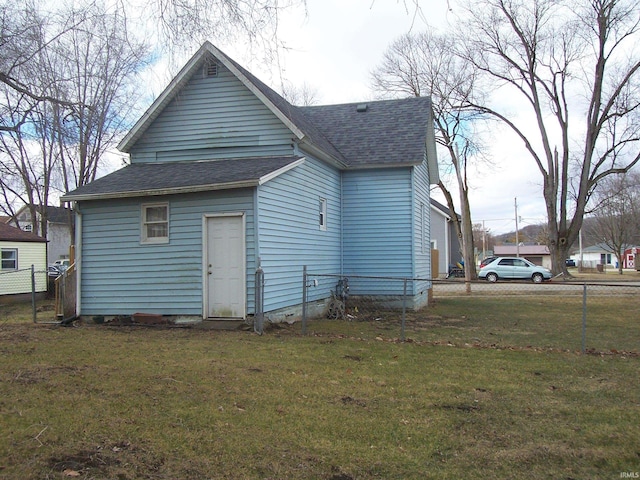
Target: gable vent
362,107
211,69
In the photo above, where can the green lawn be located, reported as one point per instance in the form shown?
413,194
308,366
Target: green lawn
344,402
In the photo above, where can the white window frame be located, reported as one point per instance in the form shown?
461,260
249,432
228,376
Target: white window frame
144,238
14,259
322,217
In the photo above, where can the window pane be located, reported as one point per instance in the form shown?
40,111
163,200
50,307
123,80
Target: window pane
155,223
9,259
323,213
157,230
156,214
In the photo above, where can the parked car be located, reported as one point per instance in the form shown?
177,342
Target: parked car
513,268
62,264
487,261
570,262
54,271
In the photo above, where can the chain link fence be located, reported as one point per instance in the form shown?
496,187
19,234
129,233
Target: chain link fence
594,316
31,286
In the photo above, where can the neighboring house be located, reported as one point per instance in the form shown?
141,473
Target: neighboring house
19,251
227,176
601,254
59,229
537,254
444,238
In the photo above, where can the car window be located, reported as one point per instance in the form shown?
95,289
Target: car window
508,262
520,263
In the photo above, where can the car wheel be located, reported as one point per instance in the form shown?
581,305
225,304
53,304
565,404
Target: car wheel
492,277
537,278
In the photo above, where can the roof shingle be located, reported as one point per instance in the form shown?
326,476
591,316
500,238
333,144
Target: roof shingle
148,178
13,234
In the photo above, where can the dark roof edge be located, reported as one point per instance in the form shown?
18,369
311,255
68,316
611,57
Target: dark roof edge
161,191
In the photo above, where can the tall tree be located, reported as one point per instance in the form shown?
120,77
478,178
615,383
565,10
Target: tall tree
422,64
24,33
575,69
101,61
57,142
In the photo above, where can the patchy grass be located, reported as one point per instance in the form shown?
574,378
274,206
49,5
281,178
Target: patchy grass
345,402
536,321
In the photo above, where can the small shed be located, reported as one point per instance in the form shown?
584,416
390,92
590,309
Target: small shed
19,251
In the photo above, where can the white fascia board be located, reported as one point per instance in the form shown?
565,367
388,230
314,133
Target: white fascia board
276,173
322,155
375,166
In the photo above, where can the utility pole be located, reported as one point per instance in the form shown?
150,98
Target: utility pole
484,241
515,201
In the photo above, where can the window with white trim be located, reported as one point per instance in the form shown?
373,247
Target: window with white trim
9,259
155,223
323,214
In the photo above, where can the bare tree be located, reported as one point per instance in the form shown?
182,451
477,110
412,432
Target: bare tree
575,67
58,142
302,96
101,61
182,23
615,215
422,64
24,32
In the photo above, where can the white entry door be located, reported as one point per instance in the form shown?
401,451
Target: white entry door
225,267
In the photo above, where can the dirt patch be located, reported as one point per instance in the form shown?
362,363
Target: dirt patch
347,400
120,460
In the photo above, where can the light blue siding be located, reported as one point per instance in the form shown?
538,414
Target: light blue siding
121,276
421,229
377,234
290,235
213,117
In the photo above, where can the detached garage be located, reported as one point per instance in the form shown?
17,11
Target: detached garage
19,251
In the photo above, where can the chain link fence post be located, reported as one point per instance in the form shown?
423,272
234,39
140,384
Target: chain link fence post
258,324
404,310
33,293
584,318
304,300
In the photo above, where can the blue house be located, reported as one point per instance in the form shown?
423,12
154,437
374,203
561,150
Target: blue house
226,175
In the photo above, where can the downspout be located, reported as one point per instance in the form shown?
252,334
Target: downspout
78,260
341,222
256,240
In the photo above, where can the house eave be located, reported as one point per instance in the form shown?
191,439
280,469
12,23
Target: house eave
161,191
306,145
369,166
247,183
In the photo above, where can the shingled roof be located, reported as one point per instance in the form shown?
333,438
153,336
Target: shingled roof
13,234
140,179
382,133
356,135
